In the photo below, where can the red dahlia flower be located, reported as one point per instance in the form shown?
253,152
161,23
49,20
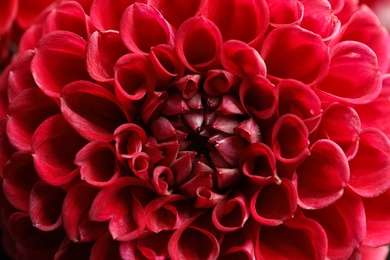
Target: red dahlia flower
239,129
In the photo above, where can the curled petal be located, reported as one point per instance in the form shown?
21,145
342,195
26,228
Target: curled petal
219,82
98,164
129,139
188,85
297,238
258,98
258,163
245,20
330,164
206,198
92,110
25,113
192,242
163,180
141,165
167,213
231,214
242,60
370,166
134,80
122,203
75,209
296,98
285,12
274,203
294,45
248,130
377,220
344,224
55,166
103,51
341,124
45,206
19,177
290,140
49,74
106,15
142,27
198,44
203,177
349,58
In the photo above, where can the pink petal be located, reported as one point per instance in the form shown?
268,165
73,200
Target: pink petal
242,60
92,110
106,15
55,166
198,44
285,12
142,27
98,164
45,206
292,52
349,58
344,224
370,166
19,176
297,238
244,20
129,139
25,113
330,164
257,96
341,124
258,163
274,203
296,98
49,74
103,51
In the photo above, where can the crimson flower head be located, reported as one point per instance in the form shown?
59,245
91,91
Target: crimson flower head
197,129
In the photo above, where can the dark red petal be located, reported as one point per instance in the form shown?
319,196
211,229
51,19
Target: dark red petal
19,176
191,242
258,98
231,148
203,177
71,250
198,44
244,20
98,164
45,206
258,163
344,224
182,166
177,11
25,113
105,248
370,166
227,177
297,238
49,74
92,110
8,13
274,203
294,45
163,180
141,165
242,60
75,209
330,164
106,15
377,220
188,85
103,51
142,27
129,139
167,213
55,166
349,58
219,82
248,130
296,98
162,129
207,198
285,12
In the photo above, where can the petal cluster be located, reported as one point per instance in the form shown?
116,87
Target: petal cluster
235,129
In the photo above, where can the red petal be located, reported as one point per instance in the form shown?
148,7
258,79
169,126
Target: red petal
198,44
206,198
219,82
163,180
105,247
92,110
244,20
349,58
231,148
8,13
188,85
142,27
292,52
55,166
28,11
374,252
370,167
285,12
129,139
248,130
274,203
49,74
330,164
141,165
